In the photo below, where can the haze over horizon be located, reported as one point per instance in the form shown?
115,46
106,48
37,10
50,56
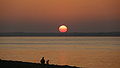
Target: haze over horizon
45,16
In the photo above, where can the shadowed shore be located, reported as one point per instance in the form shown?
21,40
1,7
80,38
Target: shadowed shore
20,64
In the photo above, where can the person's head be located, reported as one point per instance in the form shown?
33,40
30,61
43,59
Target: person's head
42,57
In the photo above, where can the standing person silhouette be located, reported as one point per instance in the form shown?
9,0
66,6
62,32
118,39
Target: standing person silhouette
42,61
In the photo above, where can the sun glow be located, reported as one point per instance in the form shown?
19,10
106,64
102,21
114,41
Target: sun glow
63,28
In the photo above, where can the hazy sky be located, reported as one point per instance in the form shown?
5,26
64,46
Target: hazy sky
47,15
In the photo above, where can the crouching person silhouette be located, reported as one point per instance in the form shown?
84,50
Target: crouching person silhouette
42,61
47,62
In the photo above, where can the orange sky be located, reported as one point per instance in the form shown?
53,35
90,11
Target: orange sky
85,13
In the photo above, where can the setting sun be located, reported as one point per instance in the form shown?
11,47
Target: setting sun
63,28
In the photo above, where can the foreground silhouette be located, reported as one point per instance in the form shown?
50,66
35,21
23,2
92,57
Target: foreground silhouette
20,64
42,61
47,62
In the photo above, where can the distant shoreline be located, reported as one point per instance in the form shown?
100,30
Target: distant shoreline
115,34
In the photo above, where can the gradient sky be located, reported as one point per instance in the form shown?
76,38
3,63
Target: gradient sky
47,15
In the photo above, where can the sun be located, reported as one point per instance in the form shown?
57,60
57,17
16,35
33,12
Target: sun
63,28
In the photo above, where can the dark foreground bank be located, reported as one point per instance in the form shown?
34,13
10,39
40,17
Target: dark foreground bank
20,64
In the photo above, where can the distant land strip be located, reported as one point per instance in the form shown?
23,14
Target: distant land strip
61,34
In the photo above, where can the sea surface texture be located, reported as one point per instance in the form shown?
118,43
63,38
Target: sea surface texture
91,52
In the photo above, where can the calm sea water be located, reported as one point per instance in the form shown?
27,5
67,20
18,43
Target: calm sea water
92,52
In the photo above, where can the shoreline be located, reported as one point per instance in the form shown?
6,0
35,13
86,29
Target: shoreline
21,64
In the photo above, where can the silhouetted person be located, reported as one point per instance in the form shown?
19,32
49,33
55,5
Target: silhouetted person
47,62
42,61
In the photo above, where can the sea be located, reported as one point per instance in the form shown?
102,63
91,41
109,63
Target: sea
90,52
